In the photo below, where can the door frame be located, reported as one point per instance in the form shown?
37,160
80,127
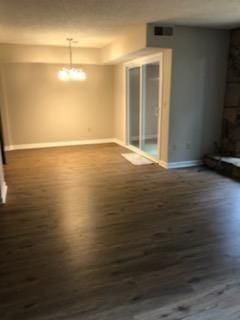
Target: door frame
139,62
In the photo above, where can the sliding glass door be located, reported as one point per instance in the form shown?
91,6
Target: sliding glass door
134,106
144,107
150,108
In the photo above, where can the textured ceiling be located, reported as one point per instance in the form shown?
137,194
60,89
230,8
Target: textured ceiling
95,23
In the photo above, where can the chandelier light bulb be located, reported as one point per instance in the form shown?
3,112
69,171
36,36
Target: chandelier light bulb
72,74
77,74
63,75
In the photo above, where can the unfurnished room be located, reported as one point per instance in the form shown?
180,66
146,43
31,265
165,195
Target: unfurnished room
119,160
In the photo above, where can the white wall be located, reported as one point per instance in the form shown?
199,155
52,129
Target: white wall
131,42
39,108
119,102
17,53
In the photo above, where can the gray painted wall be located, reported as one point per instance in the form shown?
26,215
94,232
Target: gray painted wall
198,84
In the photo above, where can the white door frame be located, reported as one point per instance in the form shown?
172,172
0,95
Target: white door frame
139,63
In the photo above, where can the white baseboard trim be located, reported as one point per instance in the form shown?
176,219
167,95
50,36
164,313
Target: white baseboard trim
4,192
166,165
119,142
58,144
180,164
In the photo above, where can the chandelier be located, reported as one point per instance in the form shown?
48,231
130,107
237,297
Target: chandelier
71,73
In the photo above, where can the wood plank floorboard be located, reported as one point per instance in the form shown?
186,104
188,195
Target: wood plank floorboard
87,235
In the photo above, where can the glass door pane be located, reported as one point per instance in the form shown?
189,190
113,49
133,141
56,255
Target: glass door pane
150,108
134,106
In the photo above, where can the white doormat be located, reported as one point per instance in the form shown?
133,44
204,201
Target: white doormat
136,159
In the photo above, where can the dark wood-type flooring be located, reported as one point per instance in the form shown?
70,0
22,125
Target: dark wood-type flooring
86,235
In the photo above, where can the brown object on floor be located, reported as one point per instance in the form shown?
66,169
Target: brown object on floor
86,235
226,165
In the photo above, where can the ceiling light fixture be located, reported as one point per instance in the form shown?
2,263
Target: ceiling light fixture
71,73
